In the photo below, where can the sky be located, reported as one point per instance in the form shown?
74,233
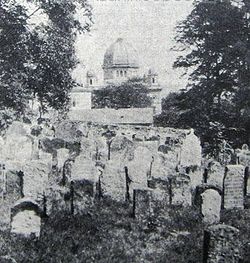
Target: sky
149,25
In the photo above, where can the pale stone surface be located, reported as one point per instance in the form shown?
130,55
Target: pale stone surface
113,116
234,187
45,158
18,148
113,181
35,178
216,173
190,153
211,206
243,155
62,156
83,168
26,223
121,149
180,187
196,176
26,218
139,168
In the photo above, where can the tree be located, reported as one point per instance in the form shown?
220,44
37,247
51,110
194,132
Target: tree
37,62
215,37
130,94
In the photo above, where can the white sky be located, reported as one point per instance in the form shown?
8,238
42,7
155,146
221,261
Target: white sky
147,24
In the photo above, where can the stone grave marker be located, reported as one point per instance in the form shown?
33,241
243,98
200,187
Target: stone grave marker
221,244
233,187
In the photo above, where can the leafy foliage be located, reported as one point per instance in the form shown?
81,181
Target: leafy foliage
36,62
130,94
216,40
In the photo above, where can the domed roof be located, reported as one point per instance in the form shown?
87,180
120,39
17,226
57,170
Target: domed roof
90,73
120,54
152,72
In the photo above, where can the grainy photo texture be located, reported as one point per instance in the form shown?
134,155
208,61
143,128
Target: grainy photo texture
124,131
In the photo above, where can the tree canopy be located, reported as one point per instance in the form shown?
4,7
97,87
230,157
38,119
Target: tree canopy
216,57
37,61
130,94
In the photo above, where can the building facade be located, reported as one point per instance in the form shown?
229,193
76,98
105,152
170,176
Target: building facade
120,64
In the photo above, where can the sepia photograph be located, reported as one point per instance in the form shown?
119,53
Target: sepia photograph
124,131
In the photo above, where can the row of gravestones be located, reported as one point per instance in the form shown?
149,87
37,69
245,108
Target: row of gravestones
221,242
159,194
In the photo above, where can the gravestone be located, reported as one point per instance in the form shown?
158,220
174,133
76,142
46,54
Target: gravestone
83,196
139,168
160,191
62,156
26,218
221,244
243,155
190,154
36,176
215,173
113,181
142,205
121,149
18,148
181,190
233,187
211,206
83,168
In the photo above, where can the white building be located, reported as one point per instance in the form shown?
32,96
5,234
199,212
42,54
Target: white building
120,64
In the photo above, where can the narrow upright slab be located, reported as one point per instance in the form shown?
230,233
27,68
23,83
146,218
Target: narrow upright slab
234,187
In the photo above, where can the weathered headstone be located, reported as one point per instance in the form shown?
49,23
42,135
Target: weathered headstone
26,218
121,149
215,173
83,168
160,191
62,156
83,196
181,190
243,155
19,148
221,244
139,168
190,151
36,176
211,206
142,205
233,187
113,181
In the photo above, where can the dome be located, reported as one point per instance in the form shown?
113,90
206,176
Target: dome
120,54
90,74
152,72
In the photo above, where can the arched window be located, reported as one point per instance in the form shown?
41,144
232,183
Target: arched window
153,80
121,73
73,103
117,73
125,73
90,81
